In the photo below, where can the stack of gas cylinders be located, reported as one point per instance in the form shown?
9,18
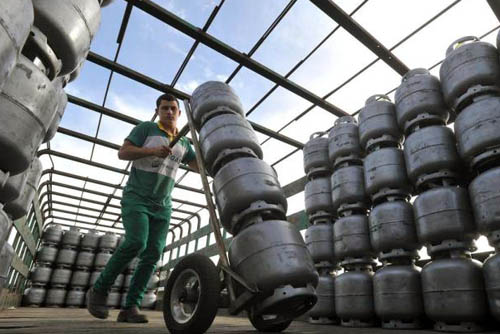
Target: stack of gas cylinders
352,248
69,262
43,44
396,286
319,236
451,177
252,207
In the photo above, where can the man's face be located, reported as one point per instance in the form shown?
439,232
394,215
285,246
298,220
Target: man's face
168,111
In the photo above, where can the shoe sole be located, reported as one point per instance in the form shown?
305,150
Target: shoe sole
123,319
132,322
95,313
98,315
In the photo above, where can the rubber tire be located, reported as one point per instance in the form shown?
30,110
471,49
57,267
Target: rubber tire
209,296
264,327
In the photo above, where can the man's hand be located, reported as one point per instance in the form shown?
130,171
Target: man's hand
161,151
129,151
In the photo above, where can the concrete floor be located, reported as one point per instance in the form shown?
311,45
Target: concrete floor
62,320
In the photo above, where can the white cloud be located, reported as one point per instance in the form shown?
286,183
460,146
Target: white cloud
189,86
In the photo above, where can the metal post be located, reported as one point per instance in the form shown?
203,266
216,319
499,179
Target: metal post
214,222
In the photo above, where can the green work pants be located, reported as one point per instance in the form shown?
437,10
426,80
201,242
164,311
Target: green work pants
146,228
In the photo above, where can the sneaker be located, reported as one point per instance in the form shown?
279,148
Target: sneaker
96,304
131,315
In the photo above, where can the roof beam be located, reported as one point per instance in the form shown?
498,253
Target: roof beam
91,226
355,29
101,142
81,178
103,166
495,6
210,19
83,199
98,218
134,75
153,84
98,193
198,34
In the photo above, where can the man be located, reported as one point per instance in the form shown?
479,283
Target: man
146,207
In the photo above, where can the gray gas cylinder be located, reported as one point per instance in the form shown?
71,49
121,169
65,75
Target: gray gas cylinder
108,241
66,256
431,151
75,298
70,27
263,245
55,297
28,102
315,153
469,62
451,282
398,296
444,219
41,275
153,282
19,207
343,141
113,299
491,270
213,97
102,258
47,254
476,130
123,299
53,234
149,300
6,255
105,3
354,302
126,281
392,229
243,182
16,17
80,278
352,238
323,311
377,123
38,50
118,283
60,276
94,276
484,192
61,108
419,101
226,137
132,265
90,240
13,186
318,196
71,237
5,225
84,259
498,41
35,296
348,189
319,241
121,240
385,174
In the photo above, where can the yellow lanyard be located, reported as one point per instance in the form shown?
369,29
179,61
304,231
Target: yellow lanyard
170,136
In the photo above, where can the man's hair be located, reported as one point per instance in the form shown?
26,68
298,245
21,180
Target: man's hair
166,97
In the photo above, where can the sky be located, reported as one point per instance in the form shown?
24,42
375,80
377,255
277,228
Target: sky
157,50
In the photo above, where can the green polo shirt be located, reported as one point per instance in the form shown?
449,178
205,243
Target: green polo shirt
152,178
